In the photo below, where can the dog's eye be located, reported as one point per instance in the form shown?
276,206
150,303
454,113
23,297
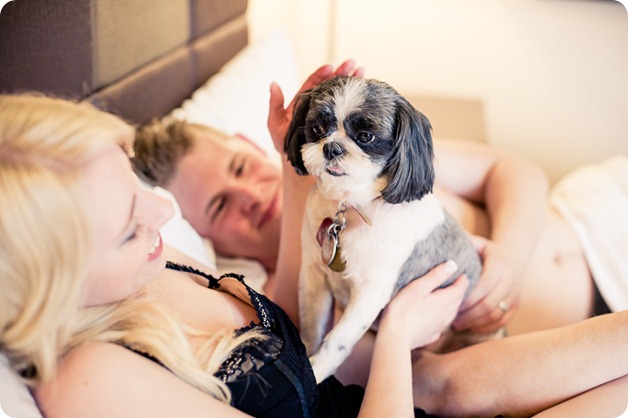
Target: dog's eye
365,137
319,130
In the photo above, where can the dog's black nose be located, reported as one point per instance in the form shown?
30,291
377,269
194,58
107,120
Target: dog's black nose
332,150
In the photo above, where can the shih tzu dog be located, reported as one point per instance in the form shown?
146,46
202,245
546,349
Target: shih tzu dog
372,223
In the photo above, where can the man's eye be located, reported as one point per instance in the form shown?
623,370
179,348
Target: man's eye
220,206
318,129
239,170
365,137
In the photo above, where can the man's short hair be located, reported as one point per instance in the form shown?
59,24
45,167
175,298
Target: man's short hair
161,144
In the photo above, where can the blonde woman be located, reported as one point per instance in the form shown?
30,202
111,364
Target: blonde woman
92,321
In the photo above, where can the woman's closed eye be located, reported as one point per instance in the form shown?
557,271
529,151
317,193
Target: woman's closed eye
135,230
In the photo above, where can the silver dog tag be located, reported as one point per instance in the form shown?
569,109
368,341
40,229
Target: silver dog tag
328,238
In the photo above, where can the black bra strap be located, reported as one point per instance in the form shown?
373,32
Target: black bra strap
214,283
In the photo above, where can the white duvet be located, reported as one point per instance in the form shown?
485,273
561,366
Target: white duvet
594,201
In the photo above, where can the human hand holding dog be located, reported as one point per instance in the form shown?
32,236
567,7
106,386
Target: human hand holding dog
421,311
415,317
492,303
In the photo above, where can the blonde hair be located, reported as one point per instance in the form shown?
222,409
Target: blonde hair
44,146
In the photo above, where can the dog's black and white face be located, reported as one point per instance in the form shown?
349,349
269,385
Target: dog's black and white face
361,140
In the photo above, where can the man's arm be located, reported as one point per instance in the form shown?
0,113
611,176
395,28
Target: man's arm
513,192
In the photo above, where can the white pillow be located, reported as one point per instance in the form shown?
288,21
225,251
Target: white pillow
235,100
179,234
16,400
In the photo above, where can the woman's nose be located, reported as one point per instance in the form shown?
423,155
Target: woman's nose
157,210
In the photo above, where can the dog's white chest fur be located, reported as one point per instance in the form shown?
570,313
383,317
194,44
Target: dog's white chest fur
374,255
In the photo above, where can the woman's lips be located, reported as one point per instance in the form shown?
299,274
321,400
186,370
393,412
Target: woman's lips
157,248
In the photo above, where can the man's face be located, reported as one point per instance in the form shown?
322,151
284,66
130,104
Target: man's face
231,193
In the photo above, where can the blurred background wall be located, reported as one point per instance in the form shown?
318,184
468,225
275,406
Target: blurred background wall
551,76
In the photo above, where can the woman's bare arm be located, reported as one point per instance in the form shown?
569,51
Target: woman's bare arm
414,318
524,374
106,380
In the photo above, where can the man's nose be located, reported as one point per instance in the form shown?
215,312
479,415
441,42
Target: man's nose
248,197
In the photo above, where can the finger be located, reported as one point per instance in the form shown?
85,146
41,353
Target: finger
438,275
493,326
454,293
488,315
461,283
487,284
318,76
345,68
475,297
432,279
276,110
479,243
358,72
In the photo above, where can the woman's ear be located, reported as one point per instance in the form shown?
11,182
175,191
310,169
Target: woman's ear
410,170
295,138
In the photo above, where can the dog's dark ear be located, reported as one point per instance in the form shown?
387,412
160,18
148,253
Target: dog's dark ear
410,170
295,138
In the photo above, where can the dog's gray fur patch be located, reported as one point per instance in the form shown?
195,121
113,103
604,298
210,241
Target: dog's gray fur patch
446,242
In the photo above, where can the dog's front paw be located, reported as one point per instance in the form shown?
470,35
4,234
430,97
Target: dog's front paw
323,368
310,340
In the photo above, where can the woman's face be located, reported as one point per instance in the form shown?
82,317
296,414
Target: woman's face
125,219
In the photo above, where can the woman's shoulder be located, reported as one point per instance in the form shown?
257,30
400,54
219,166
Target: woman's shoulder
104,380
86,373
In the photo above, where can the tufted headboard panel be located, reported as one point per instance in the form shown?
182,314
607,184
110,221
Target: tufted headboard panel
136,58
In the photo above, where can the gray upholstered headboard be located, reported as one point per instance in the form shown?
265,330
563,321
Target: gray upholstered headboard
135,58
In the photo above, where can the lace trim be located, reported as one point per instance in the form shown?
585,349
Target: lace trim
250,356
254,353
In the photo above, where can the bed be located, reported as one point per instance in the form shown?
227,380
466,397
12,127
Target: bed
190,59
